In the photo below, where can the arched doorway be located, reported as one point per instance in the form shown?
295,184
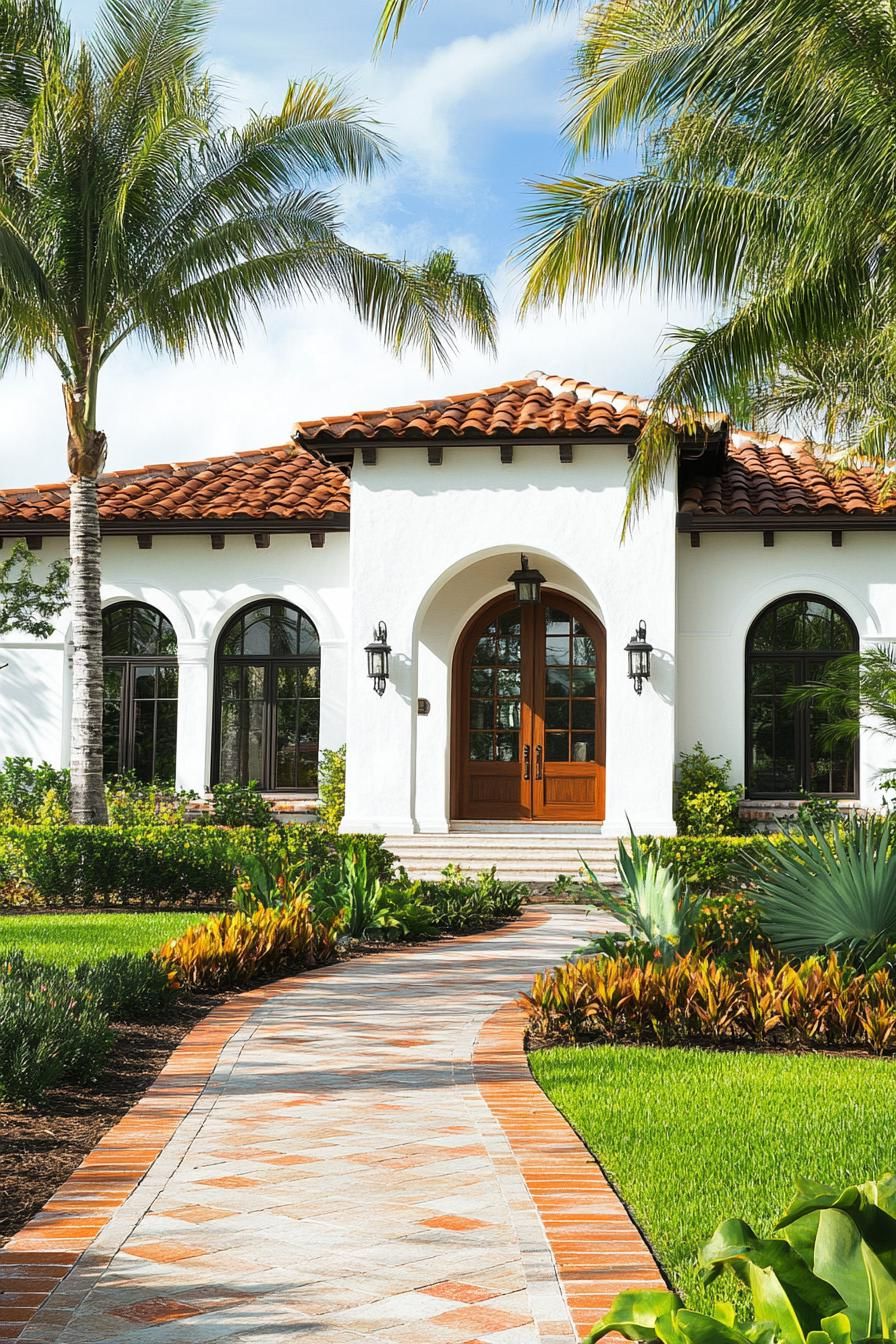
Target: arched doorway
529,713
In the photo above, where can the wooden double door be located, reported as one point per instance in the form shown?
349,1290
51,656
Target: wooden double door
529,713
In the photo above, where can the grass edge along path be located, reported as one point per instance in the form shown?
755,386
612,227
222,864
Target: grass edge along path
67,939
689,1137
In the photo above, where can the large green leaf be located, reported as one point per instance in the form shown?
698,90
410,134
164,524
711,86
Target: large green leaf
871,1206
735,1246
843,1259
635,1313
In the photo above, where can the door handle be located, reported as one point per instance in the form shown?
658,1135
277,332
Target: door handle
526,757
538,756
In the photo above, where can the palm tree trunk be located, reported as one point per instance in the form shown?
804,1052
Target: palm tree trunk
88,793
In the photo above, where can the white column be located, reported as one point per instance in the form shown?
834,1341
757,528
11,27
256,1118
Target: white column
194,715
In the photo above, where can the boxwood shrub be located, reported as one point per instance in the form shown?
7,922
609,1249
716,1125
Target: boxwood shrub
714,863
53,866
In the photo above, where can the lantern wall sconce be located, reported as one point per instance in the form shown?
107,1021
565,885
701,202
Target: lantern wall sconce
378,651
639,652
527,582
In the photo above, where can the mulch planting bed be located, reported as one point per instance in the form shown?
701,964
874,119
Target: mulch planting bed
41,1147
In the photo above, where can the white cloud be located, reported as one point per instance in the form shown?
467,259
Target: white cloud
309,362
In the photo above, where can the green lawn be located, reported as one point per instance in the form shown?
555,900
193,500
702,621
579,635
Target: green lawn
690,1137
68,939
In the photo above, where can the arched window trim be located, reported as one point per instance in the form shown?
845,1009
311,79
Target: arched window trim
124,667
304,659
803,739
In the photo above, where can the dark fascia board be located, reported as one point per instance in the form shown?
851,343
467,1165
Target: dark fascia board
786,522
339,451
199,527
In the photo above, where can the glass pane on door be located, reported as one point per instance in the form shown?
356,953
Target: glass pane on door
570,689
495,691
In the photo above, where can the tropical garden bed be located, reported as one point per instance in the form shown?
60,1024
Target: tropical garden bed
95,991
709,1054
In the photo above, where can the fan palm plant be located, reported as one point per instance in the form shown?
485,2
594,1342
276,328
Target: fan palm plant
128,211
768,145
830,888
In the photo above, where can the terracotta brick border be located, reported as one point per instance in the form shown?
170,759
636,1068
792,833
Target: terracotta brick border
38,1257
597,1247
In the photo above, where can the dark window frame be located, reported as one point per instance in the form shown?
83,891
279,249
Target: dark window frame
127,697
270,663
807,659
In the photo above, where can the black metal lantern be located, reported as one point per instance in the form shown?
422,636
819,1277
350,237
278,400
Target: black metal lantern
526,581
378,651
639,652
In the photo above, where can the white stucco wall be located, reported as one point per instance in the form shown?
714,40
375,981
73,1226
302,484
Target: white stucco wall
724,584
198,589
431,545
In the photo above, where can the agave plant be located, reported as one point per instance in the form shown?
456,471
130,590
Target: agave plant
830,888
830,1279
654,904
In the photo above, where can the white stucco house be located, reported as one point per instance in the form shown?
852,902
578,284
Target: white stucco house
241,593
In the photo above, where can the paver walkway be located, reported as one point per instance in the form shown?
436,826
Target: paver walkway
340,1180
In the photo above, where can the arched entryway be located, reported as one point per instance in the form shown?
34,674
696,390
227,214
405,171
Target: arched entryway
529,713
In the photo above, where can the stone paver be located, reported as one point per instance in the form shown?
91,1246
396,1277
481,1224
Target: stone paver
340,1179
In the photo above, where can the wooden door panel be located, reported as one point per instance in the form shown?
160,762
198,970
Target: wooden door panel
511,714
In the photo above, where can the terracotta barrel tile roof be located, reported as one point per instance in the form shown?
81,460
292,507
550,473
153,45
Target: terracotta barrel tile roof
282,482
748,476
540,406
769,474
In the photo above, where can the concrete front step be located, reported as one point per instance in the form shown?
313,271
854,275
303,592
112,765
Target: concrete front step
536,858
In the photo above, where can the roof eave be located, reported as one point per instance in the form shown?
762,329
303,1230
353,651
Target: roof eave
786,522
131,527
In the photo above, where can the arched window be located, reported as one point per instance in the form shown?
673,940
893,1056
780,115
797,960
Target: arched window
139,692
268,679
788,644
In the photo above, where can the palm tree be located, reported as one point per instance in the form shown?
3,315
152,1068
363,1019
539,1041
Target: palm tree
767,139
129,212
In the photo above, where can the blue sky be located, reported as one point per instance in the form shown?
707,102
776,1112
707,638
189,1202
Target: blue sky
472,97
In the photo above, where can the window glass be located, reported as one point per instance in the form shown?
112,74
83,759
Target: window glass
269,715
140,693
788,752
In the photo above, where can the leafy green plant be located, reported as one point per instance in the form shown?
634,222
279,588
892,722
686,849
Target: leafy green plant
26,603
706,804
270,883
24,786
831,888
367,908
45,1039
331,788
131,802
829,1279
126,987
241,804
823,812
728,926
461,904
655,904
712,811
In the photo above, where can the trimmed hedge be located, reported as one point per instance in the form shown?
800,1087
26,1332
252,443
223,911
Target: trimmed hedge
714,863
80,866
